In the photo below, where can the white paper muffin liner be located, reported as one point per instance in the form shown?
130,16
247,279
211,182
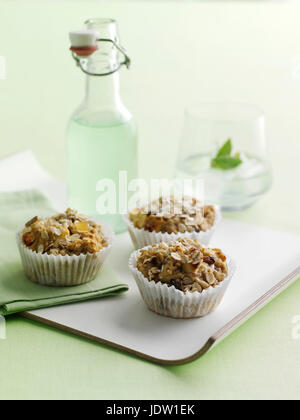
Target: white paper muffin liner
171,302
63,271
142,237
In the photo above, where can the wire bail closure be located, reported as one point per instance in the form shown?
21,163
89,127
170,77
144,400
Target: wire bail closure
82,60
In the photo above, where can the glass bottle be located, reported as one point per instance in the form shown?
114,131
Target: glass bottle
101,135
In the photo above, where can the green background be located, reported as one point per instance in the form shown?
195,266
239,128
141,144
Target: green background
183,52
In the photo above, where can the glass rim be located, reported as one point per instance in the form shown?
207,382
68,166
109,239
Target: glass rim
100,21
217,111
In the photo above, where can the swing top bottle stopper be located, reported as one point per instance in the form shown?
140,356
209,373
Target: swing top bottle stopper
86,42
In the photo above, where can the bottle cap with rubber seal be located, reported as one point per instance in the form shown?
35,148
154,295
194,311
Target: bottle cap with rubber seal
84,42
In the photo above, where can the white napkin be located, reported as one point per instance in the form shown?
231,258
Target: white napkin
22,171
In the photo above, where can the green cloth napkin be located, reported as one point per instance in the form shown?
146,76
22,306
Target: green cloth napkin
17,293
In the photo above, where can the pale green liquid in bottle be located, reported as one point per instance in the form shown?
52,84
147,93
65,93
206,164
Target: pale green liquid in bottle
96,152
101,136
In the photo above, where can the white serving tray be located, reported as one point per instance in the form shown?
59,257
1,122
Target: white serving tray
268,261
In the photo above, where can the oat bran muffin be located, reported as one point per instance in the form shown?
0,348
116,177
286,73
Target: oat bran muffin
181,279
63,250
67,233
166,220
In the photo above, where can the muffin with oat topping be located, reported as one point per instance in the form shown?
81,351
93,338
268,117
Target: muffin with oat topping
170,219
181,279
67,249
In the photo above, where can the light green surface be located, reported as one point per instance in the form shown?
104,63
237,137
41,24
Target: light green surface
219,51
17,293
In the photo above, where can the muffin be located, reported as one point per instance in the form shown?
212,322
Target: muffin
67,249
181,279
166,220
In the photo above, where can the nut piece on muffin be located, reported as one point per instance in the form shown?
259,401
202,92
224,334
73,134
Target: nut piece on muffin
64,250
184,264
174,216
67,233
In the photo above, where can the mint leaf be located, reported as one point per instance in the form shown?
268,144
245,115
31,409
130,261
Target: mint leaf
225,162
226,149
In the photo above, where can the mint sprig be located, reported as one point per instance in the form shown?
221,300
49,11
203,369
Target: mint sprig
224,160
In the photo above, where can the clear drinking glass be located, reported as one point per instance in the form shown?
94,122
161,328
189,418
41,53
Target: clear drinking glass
207,127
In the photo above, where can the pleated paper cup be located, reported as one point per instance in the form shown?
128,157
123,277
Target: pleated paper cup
170,302
64,270
142,237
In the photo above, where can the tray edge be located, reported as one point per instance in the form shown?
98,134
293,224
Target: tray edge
211,342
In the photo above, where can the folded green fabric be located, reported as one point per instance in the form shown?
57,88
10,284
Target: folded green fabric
17,293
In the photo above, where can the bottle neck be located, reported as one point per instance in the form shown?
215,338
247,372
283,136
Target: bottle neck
103,92
102,104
